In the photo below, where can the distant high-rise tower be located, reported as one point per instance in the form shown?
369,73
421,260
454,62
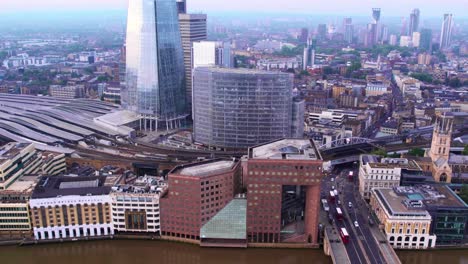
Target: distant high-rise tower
308,58
348,29
426,39
414,22
446,31
376,15
304,35
155,83
322,31
385,35
192,28
373,36
404,27
440,148
181,6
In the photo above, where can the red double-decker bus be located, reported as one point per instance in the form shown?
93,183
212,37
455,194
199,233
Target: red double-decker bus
344,235
339,214
351,176
332,196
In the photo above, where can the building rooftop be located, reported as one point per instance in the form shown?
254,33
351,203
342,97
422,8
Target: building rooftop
138,185
11,150
294,149
401,205
229,223
239,71
56,186
414,200
205,168
24,185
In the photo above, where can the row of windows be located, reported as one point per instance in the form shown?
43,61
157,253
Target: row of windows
13,214
14,220
11,227
9,209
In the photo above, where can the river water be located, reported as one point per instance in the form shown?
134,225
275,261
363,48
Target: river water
136,252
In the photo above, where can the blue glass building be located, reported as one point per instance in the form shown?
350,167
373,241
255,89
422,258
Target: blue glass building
155,82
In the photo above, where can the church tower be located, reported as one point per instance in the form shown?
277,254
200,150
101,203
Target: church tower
440,147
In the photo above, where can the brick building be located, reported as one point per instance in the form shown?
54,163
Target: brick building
283,178
196,193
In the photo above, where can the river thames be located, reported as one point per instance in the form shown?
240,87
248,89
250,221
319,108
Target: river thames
135,252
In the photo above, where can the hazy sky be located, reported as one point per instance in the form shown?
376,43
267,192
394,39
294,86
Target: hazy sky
352,7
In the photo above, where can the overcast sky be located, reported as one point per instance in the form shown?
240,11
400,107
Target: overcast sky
341,7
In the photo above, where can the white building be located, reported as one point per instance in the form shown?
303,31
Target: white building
212,53
406,41
405,221
16,160
377,88
71,207
135,207
416,39
378,174
334,116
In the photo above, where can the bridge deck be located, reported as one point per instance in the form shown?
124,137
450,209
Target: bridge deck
337,249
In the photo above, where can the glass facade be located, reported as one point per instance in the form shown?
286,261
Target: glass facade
239,108
450,225
155,82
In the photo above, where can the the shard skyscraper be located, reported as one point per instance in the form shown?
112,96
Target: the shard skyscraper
155,82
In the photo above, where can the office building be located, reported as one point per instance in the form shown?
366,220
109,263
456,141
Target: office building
416,39
449,215
212,53
375,173
424,58
322,31
67,92
15,220
385,34
283,192
53,163
446,31
192,28
406,41
304,35
155,81
135,205
197,192
371,35
426,39
414,21
181,6
393,40
375,28
16,160
239,108
348,30
404,219
308,58
71,207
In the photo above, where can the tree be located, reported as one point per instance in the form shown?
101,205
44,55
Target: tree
455,83
416,152
379,152
464,193
423,77
465,150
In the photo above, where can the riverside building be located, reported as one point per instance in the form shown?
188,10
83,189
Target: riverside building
72,207
135,205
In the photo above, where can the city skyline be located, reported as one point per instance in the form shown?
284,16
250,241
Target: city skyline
398,8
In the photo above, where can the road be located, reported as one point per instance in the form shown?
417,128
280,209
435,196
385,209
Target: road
362,248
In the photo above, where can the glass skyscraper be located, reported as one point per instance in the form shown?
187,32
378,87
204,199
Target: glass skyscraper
155,82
